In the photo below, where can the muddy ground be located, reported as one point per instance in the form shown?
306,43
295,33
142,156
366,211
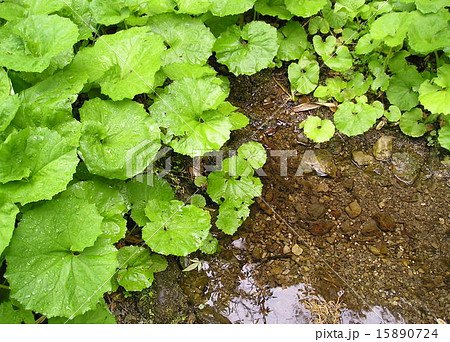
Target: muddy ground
344,242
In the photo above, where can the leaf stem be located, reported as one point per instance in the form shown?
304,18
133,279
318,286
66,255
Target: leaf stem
4,287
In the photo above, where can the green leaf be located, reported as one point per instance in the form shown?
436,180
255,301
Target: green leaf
10,314
137,267
292,40
434,95
324,48
333,88
195,114
341,61
356,118
31,43
231,216
193,7
431,6
142,189
411,123
304,75
317,129
223,8
274,8
99,315
357,86
188,39
119,139
109,203
8,109
428,33
242,188
35,164
56,265
8,213
210,245
178,71
198,201
391,28
49,102
124,63
175,228
403,87
249,49
317,24
394,114
444,137
114,11
305,8
254,153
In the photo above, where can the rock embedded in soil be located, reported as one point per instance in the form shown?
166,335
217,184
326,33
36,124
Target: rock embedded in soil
320,228
370,228
353,209
384,221
378,249
405,167
362,159
297,250
316,210
382,150
320,161
347,228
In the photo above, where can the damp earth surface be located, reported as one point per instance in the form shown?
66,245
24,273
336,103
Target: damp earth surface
355,230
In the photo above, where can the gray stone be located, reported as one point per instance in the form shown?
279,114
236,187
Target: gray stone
382,150
405,167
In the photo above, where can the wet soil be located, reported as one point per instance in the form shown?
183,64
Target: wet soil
339,243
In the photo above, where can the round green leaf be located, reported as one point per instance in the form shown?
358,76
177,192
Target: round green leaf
391,28
411,123
254,153
137,267
434,95
274,8
223,8
119,139
293,41
249,49
317,129
195,115
198,200
109,203
175,228
222,186
394,114
56,264
30,44
210,245
305,8
304,75
35,164
188,39
231,216
124,63
355,118
403,87
428,33
143,189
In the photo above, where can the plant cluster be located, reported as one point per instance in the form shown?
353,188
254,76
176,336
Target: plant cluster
83,82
